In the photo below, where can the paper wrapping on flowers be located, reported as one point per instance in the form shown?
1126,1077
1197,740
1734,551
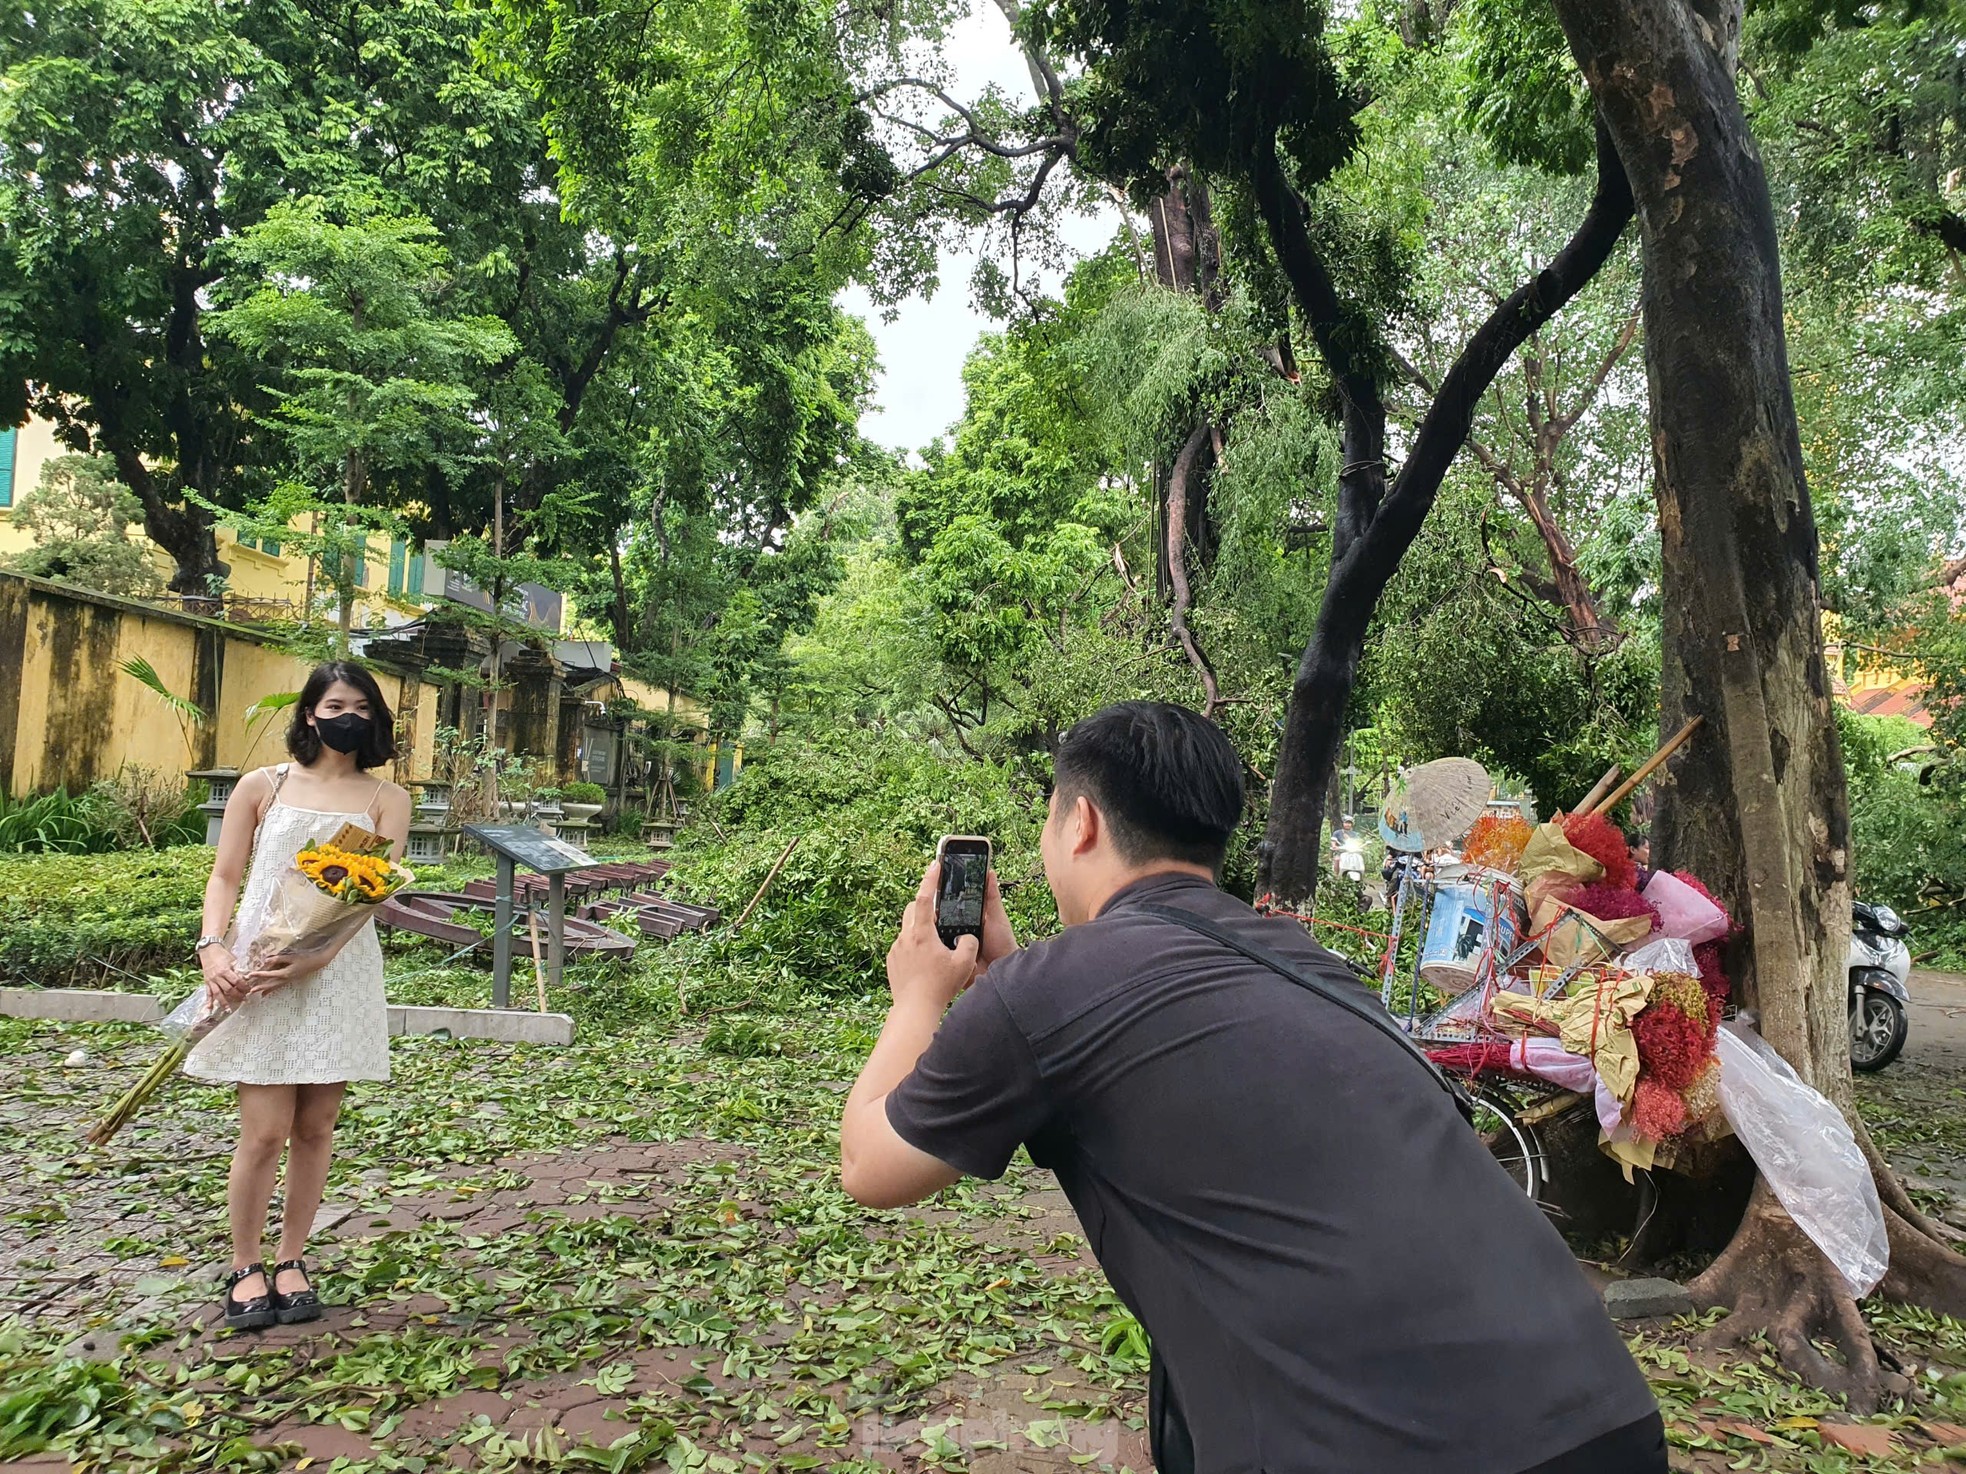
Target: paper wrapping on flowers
300,921
1684,913
1550,853
321,899
1571,937
1593,1022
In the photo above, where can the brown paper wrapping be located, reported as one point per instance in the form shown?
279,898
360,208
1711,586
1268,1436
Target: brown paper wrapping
1571,936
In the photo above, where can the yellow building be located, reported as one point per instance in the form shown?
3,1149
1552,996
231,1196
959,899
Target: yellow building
268,580
556,707
23,452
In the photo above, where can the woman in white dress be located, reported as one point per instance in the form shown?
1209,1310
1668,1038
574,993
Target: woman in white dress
304,1028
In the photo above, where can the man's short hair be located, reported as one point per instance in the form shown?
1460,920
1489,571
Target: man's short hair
1165,778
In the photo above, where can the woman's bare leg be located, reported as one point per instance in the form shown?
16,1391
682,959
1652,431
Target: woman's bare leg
310,1145
266,1117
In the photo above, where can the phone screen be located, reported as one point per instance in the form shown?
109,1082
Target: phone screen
959,895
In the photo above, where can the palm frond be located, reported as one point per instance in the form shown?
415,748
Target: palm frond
267,705
145,673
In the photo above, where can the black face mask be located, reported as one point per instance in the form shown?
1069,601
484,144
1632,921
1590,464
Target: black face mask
345,733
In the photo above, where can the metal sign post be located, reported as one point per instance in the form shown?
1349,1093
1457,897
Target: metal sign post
513,845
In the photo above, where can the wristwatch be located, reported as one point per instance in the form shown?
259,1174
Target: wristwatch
204,942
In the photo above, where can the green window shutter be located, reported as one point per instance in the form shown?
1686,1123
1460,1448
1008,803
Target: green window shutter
361,568
268,546
414,586
8,438
396,561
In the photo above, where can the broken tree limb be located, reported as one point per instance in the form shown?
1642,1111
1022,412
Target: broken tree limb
538,970
770,875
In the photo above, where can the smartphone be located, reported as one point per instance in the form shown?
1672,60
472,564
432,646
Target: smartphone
965,860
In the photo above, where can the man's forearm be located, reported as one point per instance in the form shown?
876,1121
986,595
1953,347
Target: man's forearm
910,1025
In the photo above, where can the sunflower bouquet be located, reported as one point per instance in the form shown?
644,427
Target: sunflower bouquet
325,894
323,898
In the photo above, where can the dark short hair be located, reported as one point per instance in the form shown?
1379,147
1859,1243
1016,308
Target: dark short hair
305,743
1165,778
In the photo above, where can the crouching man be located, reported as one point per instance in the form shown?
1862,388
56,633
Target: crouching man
1335,1274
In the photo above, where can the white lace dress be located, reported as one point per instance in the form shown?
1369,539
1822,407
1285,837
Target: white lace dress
330,1026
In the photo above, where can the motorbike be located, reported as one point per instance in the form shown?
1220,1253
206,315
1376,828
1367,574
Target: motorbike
1349,863
1880,996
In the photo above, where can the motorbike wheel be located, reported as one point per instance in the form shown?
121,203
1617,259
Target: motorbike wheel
1878,1026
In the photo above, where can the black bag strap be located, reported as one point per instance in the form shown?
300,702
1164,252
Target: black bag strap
1356,1006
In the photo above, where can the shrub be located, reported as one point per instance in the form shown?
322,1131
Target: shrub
868,809
54,824
80,919
139,807
585,793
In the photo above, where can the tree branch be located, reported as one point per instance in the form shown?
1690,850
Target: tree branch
1177,559
1451,415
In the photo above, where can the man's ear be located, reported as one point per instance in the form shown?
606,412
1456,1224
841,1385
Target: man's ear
1089,826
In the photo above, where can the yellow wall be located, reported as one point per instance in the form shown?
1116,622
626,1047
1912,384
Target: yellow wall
33,446
69,715
654,698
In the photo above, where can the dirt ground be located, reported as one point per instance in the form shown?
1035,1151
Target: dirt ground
665,1257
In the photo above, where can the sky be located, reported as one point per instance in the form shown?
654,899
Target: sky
919,394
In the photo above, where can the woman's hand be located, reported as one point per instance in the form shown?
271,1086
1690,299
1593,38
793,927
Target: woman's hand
287,967
222,975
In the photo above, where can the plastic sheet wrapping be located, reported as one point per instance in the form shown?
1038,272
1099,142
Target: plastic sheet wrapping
1806,1151
300,920
196,1017
1662,954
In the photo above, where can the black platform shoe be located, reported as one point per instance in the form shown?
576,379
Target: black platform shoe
249,1315
299,1306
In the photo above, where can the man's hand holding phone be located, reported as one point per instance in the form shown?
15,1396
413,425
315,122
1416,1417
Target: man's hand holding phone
999,941
921,967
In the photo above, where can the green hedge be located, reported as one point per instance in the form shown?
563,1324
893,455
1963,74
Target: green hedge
78,920
867,809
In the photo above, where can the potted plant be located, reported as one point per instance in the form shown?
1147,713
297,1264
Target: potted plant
583,800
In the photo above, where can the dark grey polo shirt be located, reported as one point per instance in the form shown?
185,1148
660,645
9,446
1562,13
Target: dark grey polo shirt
1336,1275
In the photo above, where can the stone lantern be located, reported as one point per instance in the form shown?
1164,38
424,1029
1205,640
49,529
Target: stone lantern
222,781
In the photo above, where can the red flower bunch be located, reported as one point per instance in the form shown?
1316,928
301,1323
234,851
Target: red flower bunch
1608,903
1599,838
1658,1111
1674,1032
1713,978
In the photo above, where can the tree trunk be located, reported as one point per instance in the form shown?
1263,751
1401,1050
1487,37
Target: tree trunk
1375,525
354,482
1186,472
183,531
1756,805
1187,247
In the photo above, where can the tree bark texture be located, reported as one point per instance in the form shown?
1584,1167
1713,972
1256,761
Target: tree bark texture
1376,523
1187,247
1756,805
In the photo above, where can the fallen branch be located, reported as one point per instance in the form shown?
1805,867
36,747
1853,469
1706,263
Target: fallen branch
771,875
